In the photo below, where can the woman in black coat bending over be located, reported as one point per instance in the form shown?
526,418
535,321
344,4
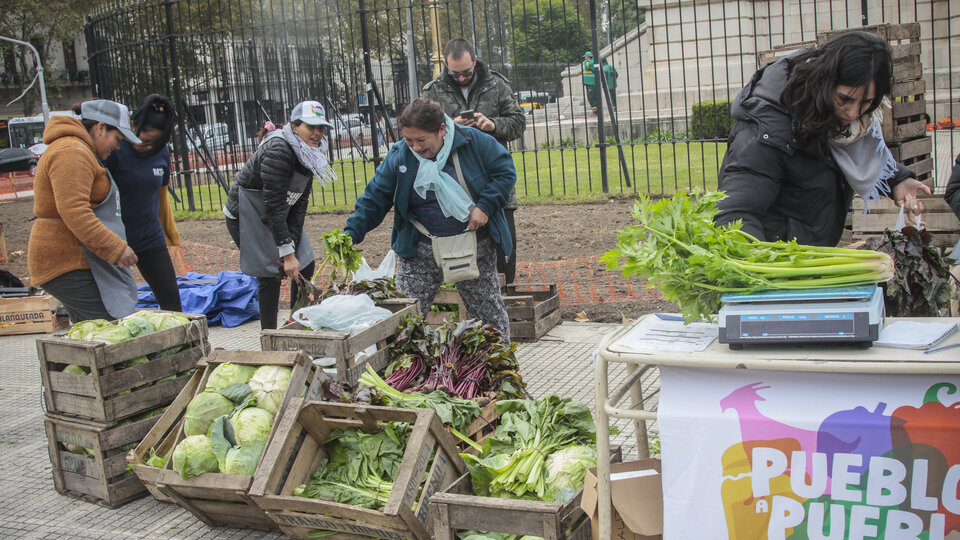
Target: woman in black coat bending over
267,204
807,137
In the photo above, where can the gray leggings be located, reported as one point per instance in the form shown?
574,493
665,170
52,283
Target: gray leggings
419,277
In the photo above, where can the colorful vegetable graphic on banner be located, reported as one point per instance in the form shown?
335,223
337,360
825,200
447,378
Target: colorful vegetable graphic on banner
861,474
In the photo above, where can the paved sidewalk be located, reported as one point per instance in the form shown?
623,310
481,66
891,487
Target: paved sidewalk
30,507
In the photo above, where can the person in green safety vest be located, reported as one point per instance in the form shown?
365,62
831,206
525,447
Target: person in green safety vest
610,73
590,80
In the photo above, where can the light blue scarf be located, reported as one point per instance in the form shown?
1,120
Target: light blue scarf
454,202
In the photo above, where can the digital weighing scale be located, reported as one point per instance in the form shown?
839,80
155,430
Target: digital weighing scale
832,315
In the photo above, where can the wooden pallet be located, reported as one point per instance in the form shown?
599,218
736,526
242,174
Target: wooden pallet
30,315
533,309
939,217
457,508
113,392
341,346
103,477
430,464
219,500
916,155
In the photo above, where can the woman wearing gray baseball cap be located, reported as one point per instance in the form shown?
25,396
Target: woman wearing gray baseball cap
78,250
267,204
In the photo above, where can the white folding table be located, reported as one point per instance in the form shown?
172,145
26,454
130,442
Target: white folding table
817,358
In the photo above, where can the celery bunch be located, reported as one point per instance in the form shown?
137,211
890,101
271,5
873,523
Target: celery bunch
693,262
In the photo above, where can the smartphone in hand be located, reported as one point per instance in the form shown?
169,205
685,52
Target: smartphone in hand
467,114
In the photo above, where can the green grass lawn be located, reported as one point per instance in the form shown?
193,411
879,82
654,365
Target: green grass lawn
547,175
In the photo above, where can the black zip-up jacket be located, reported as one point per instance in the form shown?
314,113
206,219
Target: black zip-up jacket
952,195
778,191
271,168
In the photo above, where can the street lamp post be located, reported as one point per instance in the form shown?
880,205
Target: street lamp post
44,108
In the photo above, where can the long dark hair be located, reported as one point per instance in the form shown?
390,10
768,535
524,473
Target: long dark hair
156,112
422,113
853,59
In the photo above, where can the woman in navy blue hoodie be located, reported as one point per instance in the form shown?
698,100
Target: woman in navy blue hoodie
142,172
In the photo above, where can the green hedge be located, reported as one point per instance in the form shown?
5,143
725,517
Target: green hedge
710,120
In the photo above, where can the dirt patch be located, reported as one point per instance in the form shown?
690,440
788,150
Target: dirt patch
547,232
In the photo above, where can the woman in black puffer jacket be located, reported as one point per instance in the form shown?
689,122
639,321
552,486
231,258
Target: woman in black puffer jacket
267,204
807,137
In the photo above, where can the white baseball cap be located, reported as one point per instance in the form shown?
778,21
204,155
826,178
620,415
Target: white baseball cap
110,113
310,112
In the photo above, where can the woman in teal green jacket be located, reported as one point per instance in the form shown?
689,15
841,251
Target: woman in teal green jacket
419,182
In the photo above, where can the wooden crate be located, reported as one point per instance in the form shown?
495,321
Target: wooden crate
341,346
533,308
939,217
443,316
905,120
219,500
113,392
430,464
457,508
904,41
30,315
102,478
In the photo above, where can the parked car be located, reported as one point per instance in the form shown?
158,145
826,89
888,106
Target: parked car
18,159
216,137
347,125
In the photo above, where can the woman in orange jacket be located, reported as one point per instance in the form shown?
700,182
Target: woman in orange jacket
77,250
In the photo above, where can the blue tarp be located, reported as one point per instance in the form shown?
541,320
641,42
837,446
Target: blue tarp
228,298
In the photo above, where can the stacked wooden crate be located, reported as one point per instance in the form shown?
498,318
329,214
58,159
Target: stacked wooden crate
93,420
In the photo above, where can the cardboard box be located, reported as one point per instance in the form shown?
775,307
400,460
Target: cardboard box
637,501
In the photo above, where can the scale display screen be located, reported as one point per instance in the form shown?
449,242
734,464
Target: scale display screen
796,325
834,324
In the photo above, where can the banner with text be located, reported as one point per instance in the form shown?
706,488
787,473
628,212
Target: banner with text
779,455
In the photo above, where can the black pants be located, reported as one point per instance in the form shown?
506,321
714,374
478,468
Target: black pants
78,292
268,295
157,269
268,288
508,267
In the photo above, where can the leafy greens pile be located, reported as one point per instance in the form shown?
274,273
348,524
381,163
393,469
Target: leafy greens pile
921,283
454,412
360,467
226,426
513,461
693,262
465,359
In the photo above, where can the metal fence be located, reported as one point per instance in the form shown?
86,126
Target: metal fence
230,65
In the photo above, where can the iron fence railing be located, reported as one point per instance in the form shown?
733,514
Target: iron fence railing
232,64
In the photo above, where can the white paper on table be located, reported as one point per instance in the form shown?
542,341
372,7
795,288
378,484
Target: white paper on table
655,334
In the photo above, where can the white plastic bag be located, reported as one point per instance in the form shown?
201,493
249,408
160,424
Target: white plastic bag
343,313
902,220
387,268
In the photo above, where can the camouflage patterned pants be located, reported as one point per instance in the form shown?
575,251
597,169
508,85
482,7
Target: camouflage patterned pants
419,277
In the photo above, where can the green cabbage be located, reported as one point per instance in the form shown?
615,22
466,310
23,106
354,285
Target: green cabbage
194,456
109,334
76,370
227,374
244,459
269,384
162,321
136,361
137,326
82,328
202,410
251,424
565,471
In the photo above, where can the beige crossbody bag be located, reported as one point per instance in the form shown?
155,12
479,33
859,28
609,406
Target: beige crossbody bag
455,255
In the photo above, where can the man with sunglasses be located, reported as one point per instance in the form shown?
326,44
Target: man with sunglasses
473,95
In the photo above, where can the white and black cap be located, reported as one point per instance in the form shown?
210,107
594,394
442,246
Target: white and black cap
110,113
310,112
